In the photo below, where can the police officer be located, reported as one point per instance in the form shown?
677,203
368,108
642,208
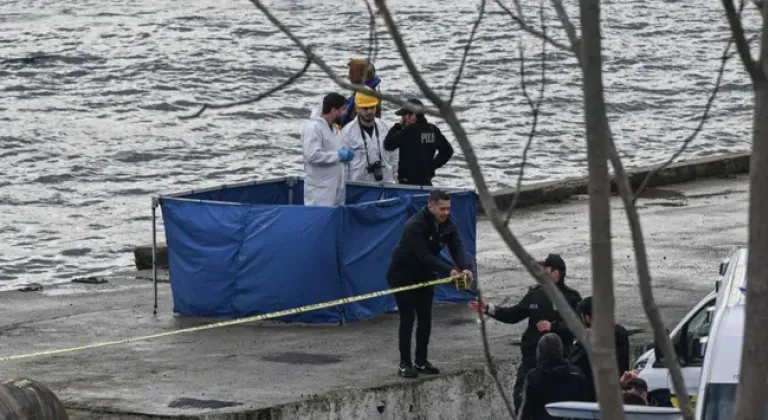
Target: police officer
417,140
578,354
542,318
415,260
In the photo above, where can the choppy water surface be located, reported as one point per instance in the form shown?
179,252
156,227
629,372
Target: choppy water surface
90,126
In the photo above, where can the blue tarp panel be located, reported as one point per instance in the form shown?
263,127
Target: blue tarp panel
240,251
366,253
241,260
266,193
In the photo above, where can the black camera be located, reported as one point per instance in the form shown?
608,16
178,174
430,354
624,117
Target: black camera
377,169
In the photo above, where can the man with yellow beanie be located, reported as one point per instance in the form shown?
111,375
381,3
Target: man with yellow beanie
364,136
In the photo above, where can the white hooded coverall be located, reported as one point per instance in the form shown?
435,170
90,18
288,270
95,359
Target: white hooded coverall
324,180
355,139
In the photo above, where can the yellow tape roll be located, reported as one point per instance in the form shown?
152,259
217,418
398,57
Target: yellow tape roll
676,404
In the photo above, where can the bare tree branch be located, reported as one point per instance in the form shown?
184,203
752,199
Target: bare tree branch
533,31
571,319
605,372
570,31
335,77
750,397
742,46
519,8
445,111
692,136
489,359
373,41
534,107
645,284
296,76
466,50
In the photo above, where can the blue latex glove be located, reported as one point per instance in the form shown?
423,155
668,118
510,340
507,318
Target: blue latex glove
346,155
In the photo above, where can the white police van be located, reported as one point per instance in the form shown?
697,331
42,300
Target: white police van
689,338
722,363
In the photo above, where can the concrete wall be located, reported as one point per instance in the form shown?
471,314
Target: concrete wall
679,172
552,192
470,394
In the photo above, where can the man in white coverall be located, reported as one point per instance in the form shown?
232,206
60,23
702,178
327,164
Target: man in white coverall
365,137
324,157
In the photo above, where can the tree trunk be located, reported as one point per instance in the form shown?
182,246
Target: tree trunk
604,345
753,387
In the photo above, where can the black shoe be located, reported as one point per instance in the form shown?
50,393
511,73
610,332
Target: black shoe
407,371
427,368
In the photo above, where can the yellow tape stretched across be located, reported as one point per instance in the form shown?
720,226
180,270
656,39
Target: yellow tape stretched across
277,314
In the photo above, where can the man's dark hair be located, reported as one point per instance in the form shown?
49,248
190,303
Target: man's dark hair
585,306
633,398
438,195
635,384
333,101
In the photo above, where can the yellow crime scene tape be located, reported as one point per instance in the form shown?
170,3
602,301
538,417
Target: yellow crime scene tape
461,284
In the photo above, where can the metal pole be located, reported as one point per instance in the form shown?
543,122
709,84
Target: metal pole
291,183
154,251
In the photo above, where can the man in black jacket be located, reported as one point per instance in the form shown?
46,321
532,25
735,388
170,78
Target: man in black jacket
542,318
418,140
554,379
415,260
579,355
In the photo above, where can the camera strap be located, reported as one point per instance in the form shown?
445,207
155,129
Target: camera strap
376,139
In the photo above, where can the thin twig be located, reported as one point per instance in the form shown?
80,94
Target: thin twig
519,8
335,77
489,359
372,40
446,112
523,397
742,46
533,31
296,76
570,31
644,276
692,136
571,319
534,108
466,50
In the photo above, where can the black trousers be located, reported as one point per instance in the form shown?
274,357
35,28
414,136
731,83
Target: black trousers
414,305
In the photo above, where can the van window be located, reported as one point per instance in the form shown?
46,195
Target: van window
697,334
720,401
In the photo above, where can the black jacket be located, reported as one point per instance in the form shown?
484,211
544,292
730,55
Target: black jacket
581,360
415,259
418,143
548,382
536,306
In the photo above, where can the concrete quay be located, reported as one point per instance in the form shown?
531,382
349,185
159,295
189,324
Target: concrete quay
280,371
